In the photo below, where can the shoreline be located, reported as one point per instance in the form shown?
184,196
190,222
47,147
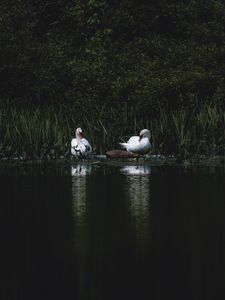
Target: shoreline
152,160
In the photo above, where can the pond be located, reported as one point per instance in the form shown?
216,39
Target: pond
102,232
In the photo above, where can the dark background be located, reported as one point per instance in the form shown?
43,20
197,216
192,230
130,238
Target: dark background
113,52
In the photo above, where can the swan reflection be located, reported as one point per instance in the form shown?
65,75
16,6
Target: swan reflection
81,170
136,170
79,190
80,176
138,195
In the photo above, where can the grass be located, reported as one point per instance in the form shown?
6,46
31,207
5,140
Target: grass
46,132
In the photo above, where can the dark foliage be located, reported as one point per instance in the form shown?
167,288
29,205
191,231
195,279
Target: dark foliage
92,52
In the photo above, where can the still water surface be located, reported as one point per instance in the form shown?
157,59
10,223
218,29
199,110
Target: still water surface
93,232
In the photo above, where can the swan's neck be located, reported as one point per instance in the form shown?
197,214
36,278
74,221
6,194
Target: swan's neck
78,138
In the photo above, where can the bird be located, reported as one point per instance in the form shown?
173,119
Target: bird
79,145
138,144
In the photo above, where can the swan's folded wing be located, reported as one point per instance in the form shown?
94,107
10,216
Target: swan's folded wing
87,145
131,144
133,140
74,147
74,143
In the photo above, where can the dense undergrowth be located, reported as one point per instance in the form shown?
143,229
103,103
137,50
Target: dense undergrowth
46,132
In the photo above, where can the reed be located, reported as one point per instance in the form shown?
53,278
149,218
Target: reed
45,133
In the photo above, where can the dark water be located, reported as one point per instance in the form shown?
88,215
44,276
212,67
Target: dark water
112,233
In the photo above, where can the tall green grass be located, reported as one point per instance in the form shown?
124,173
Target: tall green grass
46,132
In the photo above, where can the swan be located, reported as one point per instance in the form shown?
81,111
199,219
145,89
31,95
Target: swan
79,145
138,144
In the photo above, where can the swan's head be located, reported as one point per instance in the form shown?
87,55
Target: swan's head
145,133
79,133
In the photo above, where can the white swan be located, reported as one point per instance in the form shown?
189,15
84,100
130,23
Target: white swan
79,145
139,144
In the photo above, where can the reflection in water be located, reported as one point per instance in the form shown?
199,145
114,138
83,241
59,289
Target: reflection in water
81,170
118,245
79,202
136,170
138,195
79,189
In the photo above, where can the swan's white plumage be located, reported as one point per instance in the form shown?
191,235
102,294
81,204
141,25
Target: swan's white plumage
138,144
82,148
79,145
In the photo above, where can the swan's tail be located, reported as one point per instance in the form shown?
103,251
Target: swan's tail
123,145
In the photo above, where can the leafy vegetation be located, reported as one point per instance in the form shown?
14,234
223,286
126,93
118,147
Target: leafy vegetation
96,52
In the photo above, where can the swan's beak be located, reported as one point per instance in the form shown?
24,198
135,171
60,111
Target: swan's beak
81,135
141,136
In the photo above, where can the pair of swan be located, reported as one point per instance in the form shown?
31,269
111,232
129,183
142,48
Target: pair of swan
136,144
